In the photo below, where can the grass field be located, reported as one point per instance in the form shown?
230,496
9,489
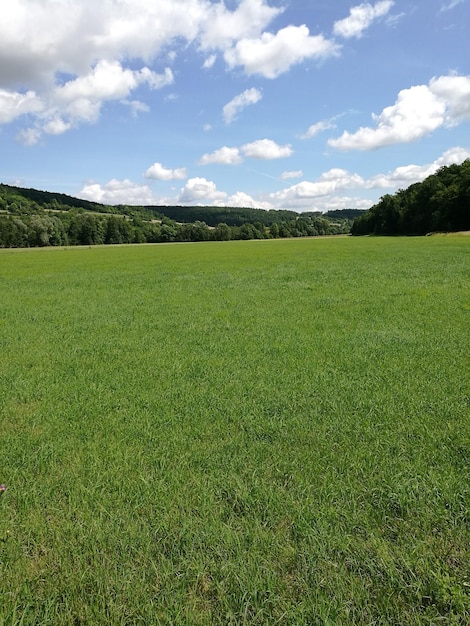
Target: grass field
268,432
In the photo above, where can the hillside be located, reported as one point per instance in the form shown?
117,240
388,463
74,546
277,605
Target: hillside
440,203
29,217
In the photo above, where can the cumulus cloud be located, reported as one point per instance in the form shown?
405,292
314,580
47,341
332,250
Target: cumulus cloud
56,126
14,104
330,186
406,175
196,191
158,172
336,188
454,92
223,156
241,199
221,27
232,108
271,55
199,191
108,80
417,112
81,99
62,60
39,38
118,192
360,18
327,184
266,149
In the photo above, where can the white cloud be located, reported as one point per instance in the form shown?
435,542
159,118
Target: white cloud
118,192
326,192
29,136
406,175
82,97
136,107
78,100
266,149
232,108
199,191
221,27
56,126
62,60
240,199
454,91
335,203
209,62
158,172
289,175
15,104
328,183
417,112
360,18
40,38
271,55
455,155
223,156
317,128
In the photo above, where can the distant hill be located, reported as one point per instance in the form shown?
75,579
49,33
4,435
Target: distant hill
441,202
29,217
29,199
233,216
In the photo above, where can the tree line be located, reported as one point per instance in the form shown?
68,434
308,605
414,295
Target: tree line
441,202
68,229
30,218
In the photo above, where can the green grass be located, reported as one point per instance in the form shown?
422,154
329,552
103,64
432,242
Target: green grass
270,432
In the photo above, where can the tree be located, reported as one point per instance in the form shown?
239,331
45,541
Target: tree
90,230
221,232
274,230
168,230
113,232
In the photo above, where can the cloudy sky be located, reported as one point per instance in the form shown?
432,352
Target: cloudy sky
299,104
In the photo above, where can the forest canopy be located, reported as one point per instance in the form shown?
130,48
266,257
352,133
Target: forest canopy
440,203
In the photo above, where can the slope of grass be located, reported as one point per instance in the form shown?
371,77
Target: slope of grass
236,433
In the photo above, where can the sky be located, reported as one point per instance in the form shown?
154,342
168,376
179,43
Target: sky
308,105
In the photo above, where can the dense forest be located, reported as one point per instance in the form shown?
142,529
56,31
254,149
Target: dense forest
440,203
30,218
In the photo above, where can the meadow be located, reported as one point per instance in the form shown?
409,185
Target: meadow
262,432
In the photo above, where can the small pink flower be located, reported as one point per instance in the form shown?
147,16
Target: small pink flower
2,488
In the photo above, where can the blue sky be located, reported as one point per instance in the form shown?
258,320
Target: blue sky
297,104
